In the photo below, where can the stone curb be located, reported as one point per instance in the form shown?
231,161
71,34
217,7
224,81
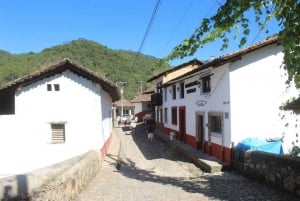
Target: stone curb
205,164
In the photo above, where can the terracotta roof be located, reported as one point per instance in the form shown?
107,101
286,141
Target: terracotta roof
194,62
231,57
64,65
150,90
142,98
126,103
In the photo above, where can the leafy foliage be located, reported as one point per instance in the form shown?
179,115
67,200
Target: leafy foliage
232,15
115,65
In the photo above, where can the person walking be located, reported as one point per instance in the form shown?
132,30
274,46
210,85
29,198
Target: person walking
150,132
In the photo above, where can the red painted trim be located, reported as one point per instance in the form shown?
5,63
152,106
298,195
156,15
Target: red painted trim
191,140
105,147
141,114
216,150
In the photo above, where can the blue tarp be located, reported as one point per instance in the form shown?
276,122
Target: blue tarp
274,147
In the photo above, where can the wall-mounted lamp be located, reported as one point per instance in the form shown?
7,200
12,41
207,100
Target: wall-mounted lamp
199,84
226,102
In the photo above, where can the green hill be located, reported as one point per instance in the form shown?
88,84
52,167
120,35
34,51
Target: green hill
115,65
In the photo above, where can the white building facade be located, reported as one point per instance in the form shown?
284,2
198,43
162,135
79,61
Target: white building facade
229,99
58,113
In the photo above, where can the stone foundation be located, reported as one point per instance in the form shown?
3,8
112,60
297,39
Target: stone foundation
281,172
62,181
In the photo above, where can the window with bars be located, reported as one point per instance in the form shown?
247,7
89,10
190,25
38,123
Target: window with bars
215,122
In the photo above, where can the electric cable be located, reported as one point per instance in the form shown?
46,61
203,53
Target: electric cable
149,25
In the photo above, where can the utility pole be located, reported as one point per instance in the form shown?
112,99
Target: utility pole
141,82
122,84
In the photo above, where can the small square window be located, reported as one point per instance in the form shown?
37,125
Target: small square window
49,87
58,133
56,87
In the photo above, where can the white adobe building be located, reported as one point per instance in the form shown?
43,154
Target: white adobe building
163,78
52,115
142,105
229,99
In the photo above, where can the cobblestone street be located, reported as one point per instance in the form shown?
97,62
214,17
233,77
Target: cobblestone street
153,171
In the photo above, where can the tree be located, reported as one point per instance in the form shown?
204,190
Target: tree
231,15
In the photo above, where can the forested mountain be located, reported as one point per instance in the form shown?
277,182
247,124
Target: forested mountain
115,65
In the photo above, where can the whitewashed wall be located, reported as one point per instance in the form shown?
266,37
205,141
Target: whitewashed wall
81,104
214,102
250,91
138,107
257,89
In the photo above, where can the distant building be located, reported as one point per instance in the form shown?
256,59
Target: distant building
124,104
142,105
164,77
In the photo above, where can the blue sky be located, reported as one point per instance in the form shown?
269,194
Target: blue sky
33,25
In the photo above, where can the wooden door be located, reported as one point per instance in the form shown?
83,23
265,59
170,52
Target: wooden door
182,119
200,131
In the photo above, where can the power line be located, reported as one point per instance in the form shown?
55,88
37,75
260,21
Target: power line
147,30
150,24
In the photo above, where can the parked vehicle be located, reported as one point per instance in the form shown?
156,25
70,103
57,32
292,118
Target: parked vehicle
149,117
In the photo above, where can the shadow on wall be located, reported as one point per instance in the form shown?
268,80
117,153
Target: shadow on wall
16,188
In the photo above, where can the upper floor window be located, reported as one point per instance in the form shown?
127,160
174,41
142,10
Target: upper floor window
206,84
165,93
182,90
50,87
159,89
174,91
56,87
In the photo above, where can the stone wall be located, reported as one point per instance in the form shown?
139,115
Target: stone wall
281,172
62,181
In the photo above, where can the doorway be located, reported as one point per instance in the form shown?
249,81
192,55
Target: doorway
200,130
182,128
